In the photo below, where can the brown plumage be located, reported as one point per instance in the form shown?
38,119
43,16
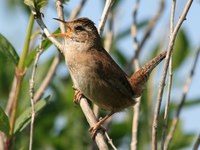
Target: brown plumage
96,75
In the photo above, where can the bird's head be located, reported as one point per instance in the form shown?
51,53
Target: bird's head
81,30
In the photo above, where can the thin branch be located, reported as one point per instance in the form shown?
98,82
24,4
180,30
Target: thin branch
162,82
185,91
104,16
59,8
47,32
110,141
109,34
91,119
165,125
197,143
136,108
32,83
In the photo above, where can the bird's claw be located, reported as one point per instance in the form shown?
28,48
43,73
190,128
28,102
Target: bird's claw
77,96
93,130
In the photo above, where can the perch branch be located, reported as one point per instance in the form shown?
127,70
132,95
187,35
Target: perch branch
162,82
165,125
185,91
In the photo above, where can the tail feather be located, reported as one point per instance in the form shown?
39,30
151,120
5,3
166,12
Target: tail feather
139,78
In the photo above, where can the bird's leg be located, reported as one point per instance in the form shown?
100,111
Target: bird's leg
94,128
78,95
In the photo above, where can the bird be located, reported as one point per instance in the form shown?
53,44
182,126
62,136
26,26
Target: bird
95,75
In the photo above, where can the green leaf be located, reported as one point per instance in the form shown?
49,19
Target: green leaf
24,119
35,5
41,3
4,122
8,50
30,3
181,49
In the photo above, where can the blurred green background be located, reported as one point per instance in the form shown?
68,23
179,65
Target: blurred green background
60,124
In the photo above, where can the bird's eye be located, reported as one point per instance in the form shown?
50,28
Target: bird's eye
79,28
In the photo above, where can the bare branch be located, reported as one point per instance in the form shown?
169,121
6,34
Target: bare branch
136,108
32,83
165,125
162,82
91,119
110,141
185,91
59,7
104,16
47,32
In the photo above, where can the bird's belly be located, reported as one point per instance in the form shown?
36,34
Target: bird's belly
100,92
87,78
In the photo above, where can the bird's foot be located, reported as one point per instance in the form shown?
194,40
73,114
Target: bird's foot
78,95
98,125
93,130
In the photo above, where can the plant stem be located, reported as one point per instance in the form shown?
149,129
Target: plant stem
20,71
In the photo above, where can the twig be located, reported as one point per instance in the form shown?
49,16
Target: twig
47,32
136,108
197,143
162,82
32,83
109,33
59,7
91,119
110,141
76,11
185,91
104,16
165,125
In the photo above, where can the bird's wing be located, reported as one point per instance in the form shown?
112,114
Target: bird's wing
111,73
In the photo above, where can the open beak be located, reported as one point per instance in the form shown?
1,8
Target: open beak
69,30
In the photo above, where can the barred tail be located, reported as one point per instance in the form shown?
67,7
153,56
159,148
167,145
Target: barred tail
139,78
